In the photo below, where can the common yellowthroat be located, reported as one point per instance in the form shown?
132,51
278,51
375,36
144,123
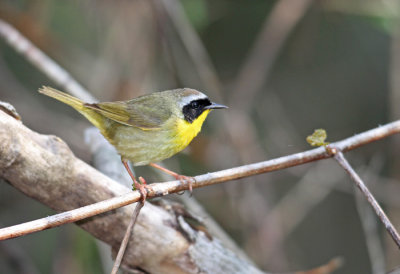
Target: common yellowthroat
149,128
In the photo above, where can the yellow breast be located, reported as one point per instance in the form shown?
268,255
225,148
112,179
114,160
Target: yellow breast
187,131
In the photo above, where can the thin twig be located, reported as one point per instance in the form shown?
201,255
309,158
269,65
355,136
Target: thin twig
127,236
44,63
339,157
371,233
161,189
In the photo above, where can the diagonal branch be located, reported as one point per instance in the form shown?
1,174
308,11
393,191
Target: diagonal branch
339,157
127,236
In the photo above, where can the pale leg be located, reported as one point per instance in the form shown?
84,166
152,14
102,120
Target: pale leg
182,178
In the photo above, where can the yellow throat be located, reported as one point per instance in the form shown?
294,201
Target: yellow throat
187,131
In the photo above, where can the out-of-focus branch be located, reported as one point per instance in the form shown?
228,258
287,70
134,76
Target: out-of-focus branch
18,258
277,27
372,233
44,63
192,44
293,207
329,267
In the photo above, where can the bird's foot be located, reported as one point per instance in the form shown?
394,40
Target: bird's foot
186,180
142,187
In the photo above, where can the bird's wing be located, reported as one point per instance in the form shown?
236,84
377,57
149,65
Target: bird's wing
139,112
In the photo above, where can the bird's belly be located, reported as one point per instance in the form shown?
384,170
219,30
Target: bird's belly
142,147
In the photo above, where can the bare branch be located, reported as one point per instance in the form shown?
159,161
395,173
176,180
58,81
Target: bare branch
372,233
44,63
338,155
127,235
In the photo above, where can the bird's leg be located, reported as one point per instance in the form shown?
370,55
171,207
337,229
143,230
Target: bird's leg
184,179
139,186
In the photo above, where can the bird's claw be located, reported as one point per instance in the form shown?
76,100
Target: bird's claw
142,187
186,180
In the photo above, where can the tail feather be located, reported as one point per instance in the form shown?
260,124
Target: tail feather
94,117
63,97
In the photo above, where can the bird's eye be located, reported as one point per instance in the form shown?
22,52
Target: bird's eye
194,104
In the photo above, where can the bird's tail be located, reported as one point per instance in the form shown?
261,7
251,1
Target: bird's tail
63,97
94,117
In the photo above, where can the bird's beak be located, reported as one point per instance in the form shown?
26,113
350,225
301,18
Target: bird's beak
215,106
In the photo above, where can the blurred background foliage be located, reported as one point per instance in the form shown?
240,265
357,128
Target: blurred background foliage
284,67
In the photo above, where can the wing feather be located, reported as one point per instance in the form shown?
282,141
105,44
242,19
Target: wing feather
146,112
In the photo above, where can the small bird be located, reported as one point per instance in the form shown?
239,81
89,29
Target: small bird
146,129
